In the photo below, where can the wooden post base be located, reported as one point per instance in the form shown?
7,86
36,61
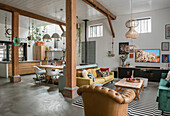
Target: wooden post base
70,92
15,79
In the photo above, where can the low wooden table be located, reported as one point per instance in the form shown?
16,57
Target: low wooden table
124,84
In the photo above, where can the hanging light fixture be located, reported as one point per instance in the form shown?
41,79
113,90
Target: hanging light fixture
63,34
46,36
131,24
55,35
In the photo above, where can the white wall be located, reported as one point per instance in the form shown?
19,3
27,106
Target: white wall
145,41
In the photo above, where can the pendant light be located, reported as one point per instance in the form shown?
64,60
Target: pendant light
131,24
55,35
46,36
63,34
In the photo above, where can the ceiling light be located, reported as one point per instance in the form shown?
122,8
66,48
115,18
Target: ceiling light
63,34
55,36
46,36
131,24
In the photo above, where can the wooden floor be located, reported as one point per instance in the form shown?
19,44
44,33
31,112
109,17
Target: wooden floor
27,99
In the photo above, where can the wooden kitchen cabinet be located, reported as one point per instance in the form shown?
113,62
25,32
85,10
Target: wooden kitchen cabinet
38,52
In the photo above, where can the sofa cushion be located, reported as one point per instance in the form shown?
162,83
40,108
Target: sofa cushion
93,71
99,80
104,69
110,77
79,74
91,76
99,74
163,75
85,74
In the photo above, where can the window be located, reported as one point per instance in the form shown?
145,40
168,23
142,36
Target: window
144,25
96,30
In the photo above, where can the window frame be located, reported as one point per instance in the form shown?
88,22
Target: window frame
145,18
89,30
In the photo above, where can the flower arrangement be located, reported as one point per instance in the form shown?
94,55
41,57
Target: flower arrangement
123,58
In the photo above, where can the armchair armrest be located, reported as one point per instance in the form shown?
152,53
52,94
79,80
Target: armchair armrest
128,96
84,81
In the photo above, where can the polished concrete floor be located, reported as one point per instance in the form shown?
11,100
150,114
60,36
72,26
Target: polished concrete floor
29,99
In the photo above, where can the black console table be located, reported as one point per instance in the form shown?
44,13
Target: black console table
152,73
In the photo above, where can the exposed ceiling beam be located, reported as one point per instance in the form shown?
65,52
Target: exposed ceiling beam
29,14
99,7
111,27
61,28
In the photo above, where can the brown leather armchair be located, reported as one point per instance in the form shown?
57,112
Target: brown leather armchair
102,101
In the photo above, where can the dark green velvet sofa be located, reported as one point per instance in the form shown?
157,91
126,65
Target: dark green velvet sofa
163,95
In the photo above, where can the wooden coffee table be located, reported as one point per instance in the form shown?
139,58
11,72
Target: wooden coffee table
124,84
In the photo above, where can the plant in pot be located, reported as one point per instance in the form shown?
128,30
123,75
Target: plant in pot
37,35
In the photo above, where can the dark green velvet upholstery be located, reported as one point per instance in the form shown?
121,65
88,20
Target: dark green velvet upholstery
163,75
163,96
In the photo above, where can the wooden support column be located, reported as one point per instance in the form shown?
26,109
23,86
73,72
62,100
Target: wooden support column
15,51
70,90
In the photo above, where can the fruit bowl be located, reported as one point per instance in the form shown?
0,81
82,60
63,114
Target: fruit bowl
133,80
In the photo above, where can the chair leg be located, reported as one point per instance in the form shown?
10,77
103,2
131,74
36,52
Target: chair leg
162,112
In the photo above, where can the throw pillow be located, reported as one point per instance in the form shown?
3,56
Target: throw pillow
99,74
85,74
91,76
104,69
105,73
168,84
168,76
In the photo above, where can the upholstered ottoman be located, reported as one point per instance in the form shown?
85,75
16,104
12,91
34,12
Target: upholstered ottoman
145,83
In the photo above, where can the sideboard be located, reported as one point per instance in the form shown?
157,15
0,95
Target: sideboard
152,73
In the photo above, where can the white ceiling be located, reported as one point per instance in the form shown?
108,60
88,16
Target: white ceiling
118,7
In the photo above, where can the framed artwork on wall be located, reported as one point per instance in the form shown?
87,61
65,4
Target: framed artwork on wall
122,46
165,46
165,58
130,55
167,31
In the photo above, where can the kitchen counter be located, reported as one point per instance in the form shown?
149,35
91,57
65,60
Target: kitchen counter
25,67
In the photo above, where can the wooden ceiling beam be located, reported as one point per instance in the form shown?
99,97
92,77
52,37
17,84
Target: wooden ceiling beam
111,27
61,28
29,14
99,7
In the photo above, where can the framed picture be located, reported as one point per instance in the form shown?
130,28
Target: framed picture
122,46
130,55
165,58
167,31
165,46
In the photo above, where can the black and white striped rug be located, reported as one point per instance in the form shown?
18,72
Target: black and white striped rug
147,106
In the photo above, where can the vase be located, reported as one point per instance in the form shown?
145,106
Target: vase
123,64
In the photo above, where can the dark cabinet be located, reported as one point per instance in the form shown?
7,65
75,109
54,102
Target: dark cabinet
153,74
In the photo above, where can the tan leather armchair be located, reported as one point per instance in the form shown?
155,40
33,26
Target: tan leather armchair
102,101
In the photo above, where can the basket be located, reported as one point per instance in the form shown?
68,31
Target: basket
133,80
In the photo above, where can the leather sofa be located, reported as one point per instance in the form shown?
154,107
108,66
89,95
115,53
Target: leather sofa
87,81
163,95
102,101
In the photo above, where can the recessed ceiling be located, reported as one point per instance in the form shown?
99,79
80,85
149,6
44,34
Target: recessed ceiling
52,8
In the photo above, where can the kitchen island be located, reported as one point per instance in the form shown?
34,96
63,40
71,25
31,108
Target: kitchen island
25,67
